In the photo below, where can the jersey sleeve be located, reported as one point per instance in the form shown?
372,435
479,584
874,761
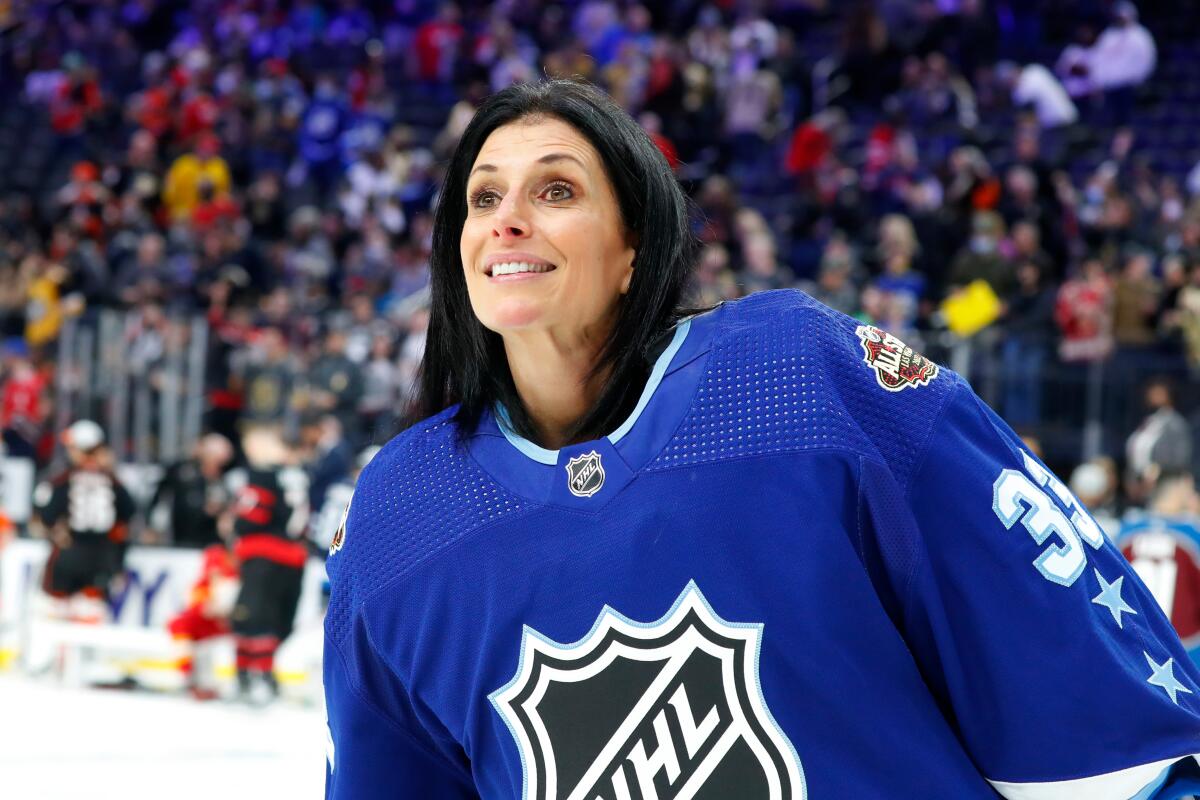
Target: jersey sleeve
373,752
383,743
1060,674
50,502
125,505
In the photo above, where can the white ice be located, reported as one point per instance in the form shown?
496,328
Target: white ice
62,744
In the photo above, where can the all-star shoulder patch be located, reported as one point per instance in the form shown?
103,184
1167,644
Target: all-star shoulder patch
896,365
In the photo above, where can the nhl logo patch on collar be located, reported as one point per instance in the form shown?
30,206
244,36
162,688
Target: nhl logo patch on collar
585,474
896,365
670,709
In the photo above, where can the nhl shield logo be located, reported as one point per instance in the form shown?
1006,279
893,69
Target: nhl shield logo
897,366
670,709
585,474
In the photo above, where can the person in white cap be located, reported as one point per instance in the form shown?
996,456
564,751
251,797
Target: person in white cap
85,514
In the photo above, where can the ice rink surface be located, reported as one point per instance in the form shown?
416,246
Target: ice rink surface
62,744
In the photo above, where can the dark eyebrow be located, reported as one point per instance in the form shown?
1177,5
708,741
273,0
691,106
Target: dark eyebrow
549,158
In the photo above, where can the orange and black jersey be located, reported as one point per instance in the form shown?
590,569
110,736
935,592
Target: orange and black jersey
92,503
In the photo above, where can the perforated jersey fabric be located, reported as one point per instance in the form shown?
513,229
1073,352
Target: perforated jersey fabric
787,374
890,586
421,492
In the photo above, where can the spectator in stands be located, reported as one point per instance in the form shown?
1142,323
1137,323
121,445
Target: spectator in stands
1025,245
1028,321
436,44
267,382
24,400
1135,304
203,165
834,285
1187,317
1161,444
1122,59
75,102
869,63
715,280
760,269
321,128
1074,64
812,144
1083,312
981,259
327,455
381,389
141,279
336,384
1035,86
754,100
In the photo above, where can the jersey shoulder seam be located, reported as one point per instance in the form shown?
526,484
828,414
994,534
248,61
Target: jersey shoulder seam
922,561
927,437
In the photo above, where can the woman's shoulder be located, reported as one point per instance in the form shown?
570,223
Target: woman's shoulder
807,376
421,492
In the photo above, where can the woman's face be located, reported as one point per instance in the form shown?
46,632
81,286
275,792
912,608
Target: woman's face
543,245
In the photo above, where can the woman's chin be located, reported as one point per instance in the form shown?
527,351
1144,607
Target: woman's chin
516,315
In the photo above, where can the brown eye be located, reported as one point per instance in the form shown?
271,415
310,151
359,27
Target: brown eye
558,192
482,198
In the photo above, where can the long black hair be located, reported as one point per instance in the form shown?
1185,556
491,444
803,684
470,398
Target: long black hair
465,363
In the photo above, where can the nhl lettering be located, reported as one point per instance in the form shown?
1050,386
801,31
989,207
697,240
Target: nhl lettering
636,711
585,474
896,365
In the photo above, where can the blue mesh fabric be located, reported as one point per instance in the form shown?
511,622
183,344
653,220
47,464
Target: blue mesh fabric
394,524
787,374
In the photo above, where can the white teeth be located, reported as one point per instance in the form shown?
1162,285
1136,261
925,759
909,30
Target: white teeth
513,267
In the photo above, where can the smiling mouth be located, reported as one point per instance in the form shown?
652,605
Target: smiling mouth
508,268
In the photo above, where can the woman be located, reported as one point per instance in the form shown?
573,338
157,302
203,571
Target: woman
759,552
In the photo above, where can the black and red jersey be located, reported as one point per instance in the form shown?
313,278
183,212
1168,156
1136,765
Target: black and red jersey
271,515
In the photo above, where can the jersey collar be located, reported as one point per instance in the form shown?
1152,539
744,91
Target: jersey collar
541,474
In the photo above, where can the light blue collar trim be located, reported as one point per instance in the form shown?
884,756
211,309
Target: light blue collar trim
536,452
661,365
656,376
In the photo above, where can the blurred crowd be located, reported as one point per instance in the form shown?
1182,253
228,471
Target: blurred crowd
949,170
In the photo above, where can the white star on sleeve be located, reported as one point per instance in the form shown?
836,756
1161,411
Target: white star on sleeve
1110,598
1164,675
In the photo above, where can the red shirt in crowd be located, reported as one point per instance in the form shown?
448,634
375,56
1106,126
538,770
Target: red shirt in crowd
435,44
22,400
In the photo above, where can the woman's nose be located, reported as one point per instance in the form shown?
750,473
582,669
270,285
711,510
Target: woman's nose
510,220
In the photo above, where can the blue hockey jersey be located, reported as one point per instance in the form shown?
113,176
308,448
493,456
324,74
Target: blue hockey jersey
811,564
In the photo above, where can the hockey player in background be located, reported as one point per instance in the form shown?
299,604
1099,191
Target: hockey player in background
269,520
761,552
84,512
206,617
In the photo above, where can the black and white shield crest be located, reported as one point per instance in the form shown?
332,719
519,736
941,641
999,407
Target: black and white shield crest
666,710
585,474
